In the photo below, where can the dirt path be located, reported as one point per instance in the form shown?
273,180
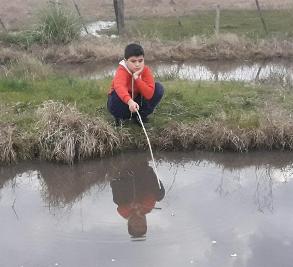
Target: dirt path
17,12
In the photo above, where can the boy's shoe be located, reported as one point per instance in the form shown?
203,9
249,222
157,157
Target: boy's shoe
119,122
137,120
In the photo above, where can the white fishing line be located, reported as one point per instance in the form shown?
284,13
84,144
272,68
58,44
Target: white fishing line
145,132
150,147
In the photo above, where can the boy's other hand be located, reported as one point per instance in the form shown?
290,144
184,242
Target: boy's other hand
133,106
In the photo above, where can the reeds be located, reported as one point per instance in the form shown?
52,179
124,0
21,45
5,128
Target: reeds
65,135
7,149
217,136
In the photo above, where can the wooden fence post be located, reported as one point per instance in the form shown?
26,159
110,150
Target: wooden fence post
119,14
173,5
79,14
217,21
261,17
3,25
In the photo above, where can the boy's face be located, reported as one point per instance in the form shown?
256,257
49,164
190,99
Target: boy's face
135,64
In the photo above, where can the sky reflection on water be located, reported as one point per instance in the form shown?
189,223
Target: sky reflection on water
219,210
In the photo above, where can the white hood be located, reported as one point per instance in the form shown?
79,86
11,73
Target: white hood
123,63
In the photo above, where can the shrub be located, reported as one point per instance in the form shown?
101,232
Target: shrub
68,135
57,24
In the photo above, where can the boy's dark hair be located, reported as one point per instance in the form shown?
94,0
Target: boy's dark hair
133,50
137,225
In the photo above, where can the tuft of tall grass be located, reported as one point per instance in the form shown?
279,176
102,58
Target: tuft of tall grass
27,68
58,25
8,55
67,135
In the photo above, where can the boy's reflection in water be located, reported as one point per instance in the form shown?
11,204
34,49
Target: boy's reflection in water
135,190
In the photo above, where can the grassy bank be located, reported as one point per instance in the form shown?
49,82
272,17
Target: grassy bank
65,119
224,47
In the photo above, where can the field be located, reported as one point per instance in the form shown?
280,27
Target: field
15,13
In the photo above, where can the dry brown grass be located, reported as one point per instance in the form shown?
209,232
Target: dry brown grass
8,54
7,149
226,46
231,46
27,67
217,136
105,50
89,50
67,135
15,145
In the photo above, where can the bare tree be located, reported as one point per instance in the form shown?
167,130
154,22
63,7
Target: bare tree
79,14
217,20
119,14
173,6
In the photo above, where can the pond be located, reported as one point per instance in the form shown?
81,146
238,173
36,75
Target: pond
219,209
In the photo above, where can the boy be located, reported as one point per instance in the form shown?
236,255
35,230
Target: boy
133,88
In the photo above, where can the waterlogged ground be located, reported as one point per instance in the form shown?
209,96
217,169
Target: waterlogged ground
219,210
195,71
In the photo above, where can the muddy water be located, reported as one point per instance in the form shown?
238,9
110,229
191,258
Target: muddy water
206,71
96,28
218,210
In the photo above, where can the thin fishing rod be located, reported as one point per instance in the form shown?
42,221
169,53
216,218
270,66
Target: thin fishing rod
145,132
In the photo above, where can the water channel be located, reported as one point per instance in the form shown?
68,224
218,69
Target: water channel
219,209
243,71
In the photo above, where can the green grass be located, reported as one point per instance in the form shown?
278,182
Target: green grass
86,94
23,97
191,101
183,101
60,25
242,22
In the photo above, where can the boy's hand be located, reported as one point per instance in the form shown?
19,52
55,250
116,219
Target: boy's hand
133,106
137,73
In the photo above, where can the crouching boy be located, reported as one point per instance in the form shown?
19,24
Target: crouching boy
133,88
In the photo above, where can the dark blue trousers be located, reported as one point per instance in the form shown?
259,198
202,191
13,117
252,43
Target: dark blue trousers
120,110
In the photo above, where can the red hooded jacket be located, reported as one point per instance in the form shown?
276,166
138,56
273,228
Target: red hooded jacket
146,205
122,83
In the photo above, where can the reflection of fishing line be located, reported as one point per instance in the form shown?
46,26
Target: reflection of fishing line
150,147
173,182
